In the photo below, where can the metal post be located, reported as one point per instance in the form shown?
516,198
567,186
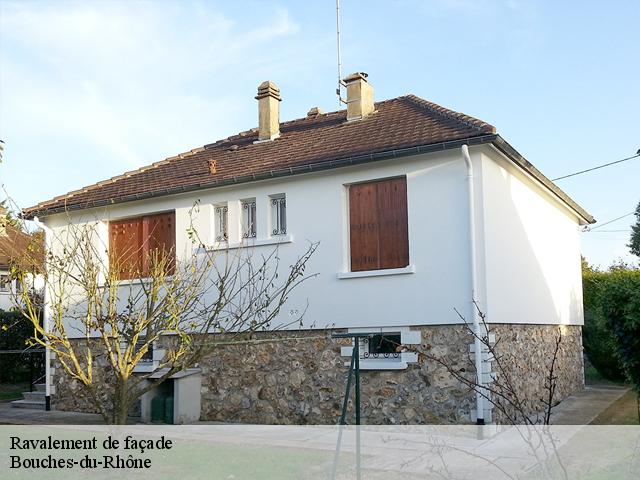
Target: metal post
31,371
356,354
343,417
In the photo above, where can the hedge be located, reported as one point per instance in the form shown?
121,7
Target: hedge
15,330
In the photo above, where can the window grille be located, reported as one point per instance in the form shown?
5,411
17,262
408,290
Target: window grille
278,215
249,218
5,283
386,345
222,216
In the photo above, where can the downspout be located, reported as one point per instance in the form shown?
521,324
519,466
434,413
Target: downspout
46,314
474,287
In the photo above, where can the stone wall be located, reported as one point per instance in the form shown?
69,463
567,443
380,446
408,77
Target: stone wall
301,377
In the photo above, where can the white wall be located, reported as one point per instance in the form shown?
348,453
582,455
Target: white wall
317,212
529,261
531,247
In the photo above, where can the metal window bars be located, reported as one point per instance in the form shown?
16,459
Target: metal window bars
279,215
249,219
222,215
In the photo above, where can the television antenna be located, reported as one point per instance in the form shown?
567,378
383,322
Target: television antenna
340,82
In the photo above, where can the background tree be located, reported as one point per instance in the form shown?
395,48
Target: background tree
634,244
183,309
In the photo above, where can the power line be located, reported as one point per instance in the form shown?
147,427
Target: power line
589,229
599,166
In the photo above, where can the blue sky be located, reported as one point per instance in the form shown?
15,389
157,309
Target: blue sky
91,89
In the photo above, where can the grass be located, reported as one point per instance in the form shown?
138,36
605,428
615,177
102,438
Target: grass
11,391
623,411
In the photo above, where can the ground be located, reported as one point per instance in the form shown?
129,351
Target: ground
10,391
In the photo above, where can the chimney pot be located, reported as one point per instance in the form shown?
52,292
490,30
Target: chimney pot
359,96
268,111
314,112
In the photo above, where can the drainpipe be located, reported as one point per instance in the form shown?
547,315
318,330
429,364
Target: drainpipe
474,286
46,314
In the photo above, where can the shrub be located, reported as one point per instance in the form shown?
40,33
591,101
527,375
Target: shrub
621,309
600,343
15,331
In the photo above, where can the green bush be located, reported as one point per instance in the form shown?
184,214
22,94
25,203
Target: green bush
621,309
15,330
600,343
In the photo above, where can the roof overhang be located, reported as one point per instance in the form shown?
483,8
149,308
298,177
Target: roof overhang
494,139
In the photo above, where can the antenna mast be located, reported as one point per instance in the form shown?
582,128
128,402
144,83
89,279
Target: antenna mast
340,83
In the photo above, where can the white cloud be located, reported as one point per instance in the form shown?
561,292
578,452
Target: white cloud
141,80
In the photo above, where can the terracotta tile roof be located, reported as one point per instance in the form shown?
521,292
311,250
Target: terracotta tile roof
22,249
317,141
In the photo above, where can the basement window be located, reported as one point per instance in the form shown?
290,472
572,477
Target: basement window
384,345
249,218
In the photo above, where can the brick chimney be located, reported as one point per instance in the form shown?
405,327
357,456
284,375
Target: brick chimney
359,96
268,111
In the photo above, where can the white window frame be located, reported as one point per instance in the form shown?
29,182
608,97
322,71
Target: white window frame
401,362
278,209
248,215
221,222
5,283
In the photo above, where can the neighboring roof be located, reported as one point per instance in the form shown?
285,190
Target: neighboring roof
400,126
23,249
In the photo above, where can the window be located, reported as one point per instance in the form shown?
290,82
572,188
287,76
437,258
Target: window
137,244
278,214
379,234
5,283
221,226
249,218
386,345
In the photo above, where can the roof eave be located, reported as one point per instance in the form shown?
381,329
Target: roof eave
495,139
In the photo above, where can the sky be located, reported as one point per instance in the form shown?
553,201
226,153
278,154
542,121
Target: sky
91,89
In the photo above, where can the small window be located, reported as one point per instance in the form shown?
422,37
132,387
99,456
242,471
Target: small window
221,227
278,214
385,345
249,218
148,355
5,283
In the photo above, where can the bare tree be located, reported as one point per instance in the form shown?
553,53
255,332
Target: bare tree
503,391
102,315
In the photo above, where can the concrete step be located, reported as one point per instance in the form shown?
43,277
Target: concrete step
28,404
41,387
34,396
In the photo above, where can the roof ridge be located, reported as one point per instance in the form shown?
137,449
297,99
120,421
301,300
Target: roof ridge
451,114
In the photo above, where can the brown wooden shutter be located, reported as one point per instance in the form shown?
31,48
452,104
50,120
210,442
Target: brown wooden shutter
378,225
125,253
393,229
363,217
160,234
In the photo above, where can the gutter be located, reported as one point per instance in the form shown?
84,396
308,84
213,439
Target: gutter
477,331
493,139
46,315
284,172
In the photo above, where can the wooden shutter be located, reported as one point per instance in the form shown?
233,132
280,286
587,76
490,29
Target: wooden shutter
363,217
393,229
125,252
160,235
378,225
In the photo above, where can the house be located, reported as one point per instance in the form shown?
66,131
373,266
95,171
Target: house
17,248
419,210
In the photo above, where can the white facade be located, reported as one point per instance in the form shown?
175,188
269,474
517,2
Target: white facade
528,260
